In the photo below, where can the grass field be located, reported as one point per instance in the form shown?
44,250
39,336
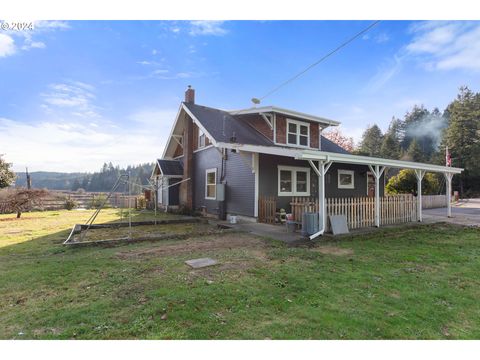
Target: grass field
418,282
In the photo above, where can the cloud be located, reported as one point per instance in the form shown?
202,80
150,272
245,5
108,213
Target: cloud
74,97
446,45
7,45
385,73
203,27
63,145
27,38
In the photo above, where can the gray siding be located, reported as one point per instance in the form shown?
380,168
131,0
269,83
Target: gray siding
240,181
268,185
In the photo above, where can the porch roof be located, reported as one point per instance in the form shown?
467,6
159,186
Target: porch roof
317,155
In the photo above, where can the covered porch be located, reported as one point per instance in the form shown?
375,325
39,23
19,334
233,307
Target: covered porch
360,210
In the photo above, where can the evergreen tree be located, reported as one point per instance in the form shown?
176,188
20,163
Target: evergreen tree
414,152
390,148
463,134
371,143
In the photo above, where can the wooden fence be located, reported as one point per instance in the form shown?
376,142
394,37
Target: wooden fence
267,208
434,201
360,211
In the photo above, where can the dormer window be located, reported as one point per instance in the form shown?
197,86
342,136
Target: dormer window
298,133
201,139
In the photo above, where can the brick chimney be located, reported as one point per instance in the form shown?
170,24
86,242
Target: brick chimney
190,95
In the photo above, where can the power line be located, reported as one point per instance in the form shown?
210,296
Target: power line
320,60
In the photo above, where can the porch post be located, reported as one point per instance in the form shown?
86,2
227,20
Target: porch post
448,178
322,218
377,173
419,175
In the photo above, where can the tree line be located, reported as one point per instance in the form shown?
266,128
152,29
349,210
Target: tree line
423,136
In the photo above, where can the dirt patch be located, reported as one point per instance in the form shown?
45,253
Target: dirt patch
24,218
333,250
216,242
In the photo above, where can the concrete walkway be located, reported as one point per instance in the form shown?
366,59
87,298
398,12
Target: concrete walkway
465,212
278,232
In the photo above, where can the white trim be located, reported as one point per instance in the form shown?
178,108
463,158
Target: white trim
293,170
209,171
317,155
203,148
266,109
172,130
267,119
274,128
256,170
345,172
297,133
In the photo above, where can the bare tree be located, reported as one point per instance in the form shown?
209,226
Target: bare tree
21,200
336,136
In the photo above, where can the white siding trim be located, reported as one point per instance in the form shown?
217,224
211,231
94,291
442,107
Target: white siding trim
346,172
208,171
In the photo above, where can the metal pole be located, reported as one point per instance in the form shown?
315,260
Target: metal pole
448,178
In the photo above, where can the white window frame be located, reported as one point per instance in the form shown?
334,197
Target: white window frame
293,170
201,135
209,171
346,172
298,124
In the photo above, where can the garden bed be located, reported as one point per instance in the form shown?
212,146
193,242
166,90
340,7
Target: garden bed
109,233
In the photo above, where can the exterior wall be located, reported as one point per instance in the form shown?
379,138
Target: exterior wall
281,130
240,189
268,179
259,124
173,191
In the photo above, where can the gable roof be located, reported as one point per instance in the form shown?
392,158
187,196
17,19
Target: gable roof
222,126
170,167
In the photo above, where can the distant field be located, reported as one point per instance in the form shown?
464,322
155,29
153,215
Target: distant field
418,282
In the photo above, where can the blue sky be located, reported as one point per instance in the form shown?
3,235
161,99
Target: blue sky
75,94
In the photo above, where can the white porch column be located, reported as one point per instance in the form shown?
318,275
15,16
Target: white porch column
419,175
322,218
448,179
377,173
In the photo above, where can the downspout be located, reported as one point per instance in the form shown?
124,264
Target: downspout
320,171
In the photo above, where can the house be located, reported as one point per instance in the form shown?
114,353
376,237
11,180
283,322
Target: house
222,162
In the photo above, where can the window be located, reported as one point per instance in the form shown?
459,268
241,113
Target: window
298,133
293,181
201,139
211,184
346,179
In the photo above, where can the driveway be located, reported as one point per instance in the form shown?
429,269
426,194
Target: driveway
465,212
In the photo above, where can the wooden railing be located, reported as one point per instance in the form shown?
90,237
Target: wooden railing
267,207
434,201
360,211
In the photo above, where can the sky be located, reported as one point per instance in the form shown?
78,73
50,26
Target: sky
76,94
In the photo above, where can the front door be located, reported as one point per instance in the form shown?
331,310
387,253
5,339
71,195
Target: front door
370,185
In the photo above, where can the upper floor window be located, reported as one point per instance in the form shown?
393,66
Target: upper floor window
298,133
201,139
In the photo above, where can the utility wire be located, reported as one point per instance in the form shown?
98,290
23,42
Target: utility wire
320,60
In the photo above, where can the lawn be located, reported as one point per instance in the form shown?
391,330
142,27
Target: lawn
416,282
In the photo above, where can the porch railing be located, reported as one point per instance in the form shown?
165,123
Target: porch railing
360,211
267,207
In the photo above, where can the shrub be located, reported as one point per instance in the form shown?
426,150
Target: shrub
70,204
406,183
98,200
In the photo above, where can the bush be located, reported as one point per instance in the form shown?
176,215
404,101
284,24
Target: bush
406,183
141,202
70,204
98,200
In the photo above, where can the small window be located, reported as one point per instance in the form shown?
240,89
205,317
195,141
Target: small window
293,181
201,139
298,133
285,181
346,179
211,184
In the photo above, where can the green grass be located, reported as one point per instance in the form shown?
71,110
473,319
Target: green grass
417,282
